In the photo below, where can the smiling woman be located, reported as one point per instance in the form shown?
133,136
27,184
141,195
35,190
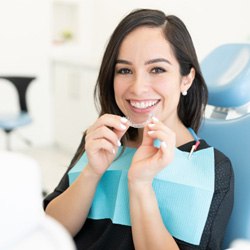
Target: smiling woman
147,77
133,183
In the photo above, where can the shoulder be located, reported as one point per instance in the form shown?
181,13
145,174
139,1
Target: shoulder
221,160
224,175
219,157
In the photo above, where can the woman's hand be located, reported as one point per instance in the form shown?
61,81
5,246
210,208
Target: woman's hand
148,159
103,140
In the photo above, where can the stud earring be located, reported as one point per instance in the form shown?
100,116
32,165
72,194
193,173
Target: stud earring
184,93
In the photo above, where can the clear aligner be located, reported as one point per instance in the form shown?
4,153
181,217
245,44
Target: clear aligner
139,125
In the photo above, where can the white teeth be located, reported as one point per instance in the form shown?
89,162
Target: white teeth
143,105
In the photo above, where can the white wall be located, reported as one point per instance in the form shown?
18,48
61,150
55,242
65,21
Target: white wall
24,44
25,39
210,22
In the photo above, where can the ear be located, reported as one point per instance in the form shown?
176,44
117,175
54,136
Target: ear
187,80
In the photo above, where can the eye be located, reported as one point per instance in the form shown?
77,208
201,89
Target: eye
158,70
124,71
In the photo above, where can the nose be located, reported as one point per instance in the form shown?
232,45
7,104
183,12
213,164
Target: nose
140,84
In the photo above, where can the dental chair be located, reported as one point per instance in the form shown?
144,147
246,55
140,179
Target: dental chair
10,122
227,73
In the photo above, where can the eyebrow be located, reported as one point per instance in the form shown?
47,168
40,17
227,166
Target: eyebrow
157,60
122,61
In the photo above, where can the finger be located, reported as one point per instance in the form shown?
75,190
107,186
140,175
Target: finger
165,141
147,140
153,125
124,125
111,121
104,133
164,137
100,144
115,123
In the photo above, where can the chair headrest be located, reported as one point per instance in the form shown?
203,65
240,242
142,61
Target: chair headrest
227,73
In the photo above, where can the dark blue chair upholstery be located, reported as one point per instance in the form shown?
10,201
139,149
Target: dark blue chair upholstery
227,73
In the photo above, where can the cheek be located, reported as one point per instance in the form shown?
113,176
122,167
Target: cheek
170,92
118,91
120,86
165,88
168,86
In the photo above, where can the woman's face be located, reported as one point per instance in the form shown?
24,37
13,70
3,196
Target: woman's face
147,77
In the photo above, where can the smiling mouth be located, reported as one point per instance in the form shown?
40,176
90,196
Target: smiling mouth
143,104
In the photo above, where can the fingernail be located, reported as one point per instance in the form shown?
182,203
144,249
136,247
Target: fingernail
124,119
118,143
151,125
155,119
123,127
150,132
113,151
163,144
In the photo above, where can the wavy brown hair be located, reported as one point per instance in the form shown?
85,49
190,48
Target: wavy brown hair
190,108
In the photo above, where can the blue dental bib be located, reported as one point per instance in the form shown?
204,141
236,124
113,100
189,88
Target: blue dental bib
184,191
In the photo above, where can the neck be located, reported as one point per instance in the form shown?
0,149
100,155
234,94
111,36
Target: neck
183,135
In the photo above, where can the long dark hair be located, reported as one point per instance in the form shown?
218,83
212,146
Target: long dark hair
190,108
